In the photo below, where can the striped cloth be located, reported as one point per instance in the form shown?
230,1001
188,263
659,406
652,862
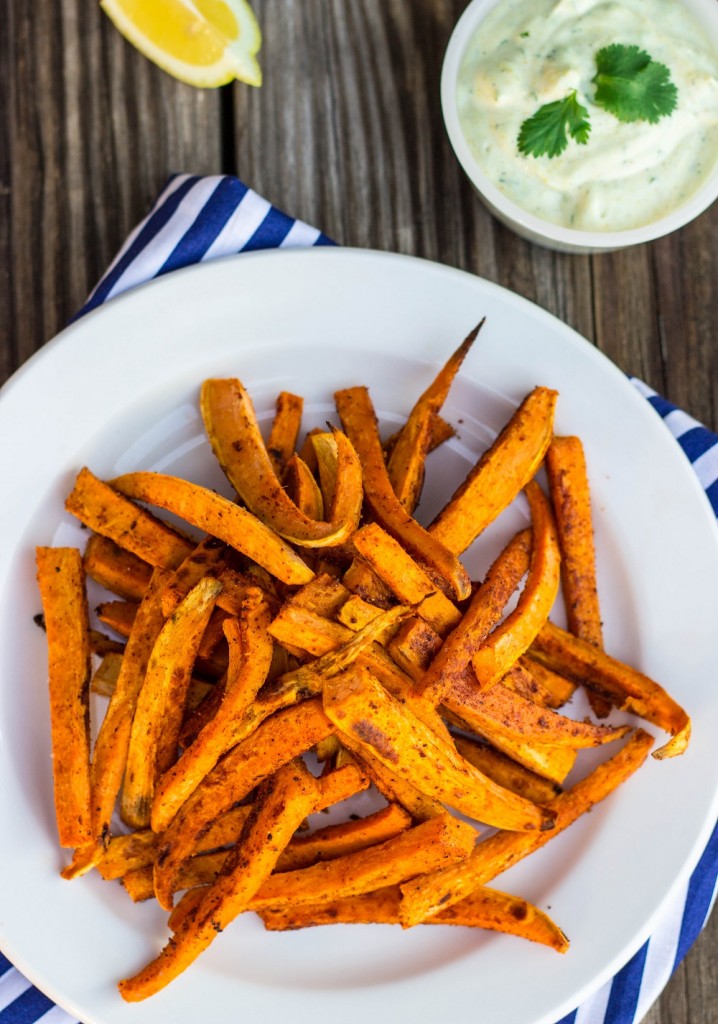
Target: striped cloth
201,218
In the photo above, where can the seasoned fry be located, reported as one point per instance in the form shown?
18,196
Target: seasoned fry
110,754
625,687
284,432
513,636
61,581
441,840
100,507
206,559
405,578
405,465
360,708
485,908
343,838
500,474
222,518
160,702
507,772
117,570
250,657
480,618
237,443
359,420
427,896
571,498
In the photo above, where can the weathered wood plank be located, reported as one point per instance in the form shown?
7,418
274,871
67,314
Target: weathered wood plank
95,130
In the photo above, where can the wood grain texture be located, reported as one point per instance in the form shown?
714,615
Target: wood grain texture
347,134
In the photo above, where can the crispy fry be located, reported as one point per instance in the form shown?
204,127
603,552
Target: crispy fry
625,687
116,569
500,474
507,772
100,507
110,754
61,581
405,578
160,702
237,443
361,579
405,465
555,689
139,849
344,837
549,761
510,714
427,896
360,708
392,786
513,636
250,658
206,559
485,908
413,647
284,432
283,802
359,420
480,618
441,840
571,498
222,518
105,676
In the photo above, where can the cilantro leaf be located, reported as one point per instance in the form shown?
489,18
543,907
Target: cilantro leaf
632,86
544,134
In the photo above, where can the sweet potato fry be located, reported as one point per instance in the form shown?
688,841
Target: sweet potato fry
250,657
505,771
512,715
500,474
61,581
405,578
405,465
394,787
161,699
360,708
413,647
571,498
625,687
359,420
284,431
282,804
206,559
485,908
361,579
105,676
550,762
441,840
513,636
482,615
218,516
237,443
344,837
555,690
108,513
425,897
139,849
110,753
284,736
119,571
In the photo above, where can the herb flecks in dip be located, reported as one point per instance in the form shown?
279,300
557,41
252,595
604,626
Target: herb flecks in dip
528,53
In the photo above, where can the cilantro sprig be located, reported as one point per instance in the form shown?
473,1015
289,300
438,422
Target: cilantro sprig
632,86
629,84
545,134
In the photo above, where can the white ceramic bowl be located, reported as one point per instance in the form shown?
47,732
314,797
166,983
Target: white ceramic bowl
543,232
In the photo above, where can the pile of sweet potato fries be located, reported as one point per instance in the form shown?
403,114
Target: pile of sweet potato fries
316,615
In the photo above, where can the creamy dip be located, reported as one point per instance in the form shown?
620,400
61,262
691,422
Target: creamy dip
526,53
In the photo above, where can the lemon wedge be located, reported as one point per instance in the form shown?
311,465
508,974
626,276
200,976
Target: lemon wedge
203,42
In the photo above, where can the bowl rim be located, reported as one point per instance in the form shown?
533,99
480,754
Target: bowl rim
528,224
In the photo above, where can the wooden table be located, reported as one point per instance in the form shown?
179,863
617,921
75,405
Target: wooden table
346,133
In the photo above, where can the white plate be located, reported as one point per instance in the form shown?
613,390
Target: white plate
118,390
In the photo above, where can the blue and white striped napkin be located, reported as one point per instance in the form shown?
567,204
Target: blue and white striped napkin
200,218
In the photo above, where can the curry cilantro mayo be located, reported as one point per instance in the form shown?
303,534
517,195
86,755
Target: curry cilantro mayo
527,54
